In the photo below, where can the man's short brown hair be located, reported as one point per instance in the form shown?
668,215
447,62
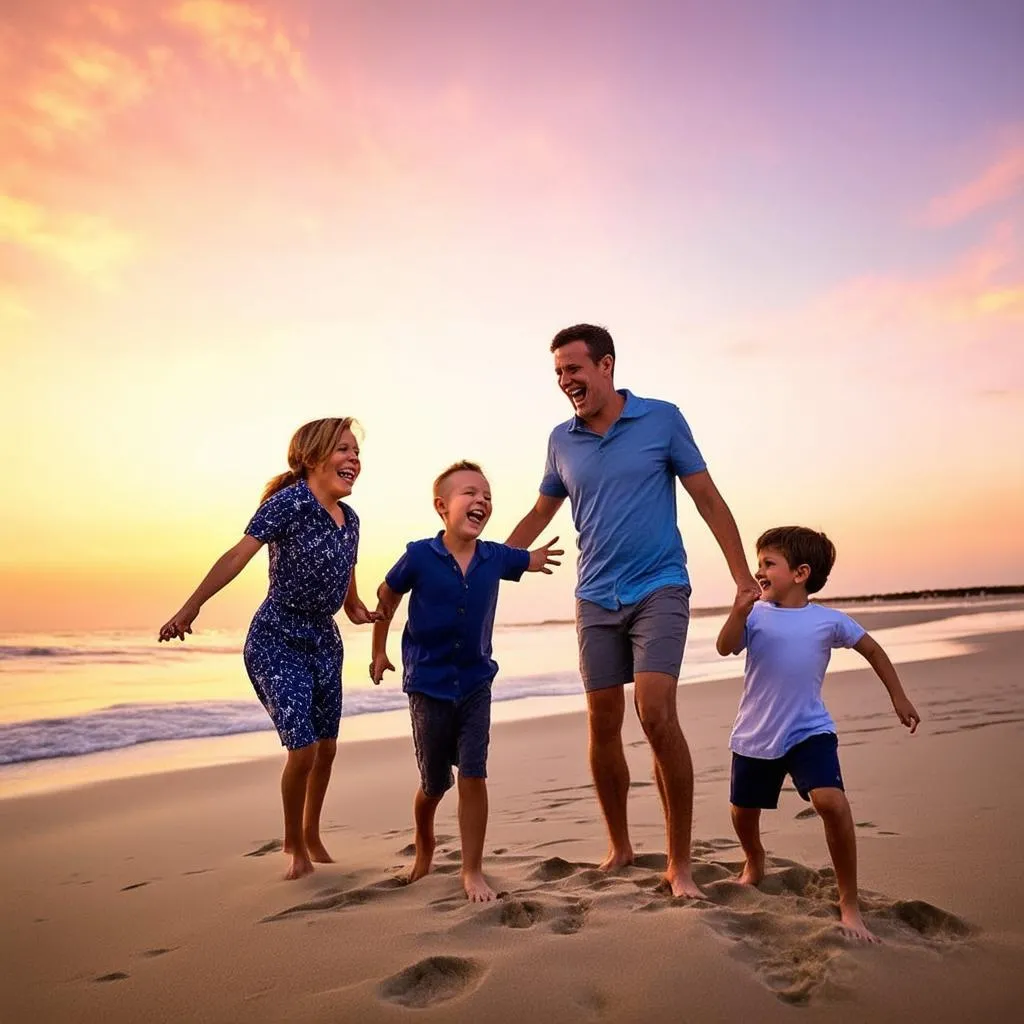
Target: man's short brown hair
802,546
455,467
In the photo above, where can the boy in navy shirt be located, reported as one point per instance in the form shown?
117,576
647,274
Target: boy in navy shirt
446,657
782,726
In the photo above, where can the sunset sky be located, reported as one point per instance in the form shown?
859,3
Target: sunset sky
803,222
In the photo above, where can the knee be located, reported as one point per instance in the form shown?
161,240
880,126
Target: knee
831,804
301,760
325,753
605,727
656,718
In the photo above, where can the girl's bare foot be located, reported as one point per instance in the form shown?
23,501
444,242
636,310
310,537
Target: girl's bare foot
753,870
477,889
853,927
424,858
317,852
616,859
300,867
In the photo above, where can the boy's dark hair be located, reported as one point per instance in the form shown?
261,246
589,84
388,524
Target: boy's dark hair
802,546
598,341
455,467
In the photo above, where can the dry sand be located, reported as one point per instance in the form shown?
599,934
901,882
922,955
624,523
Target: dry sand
161,899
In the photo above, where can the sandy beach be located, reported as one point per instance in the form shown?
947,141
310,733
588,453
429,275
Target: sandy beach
161,898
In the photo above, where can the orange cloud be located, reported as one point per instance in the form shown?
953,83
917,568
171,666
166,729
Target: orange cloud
980,295
87,245
241,36
86,84
998,182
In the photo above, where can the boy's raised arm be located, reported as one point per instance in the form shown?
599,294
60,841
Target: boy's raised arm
730,637
872,652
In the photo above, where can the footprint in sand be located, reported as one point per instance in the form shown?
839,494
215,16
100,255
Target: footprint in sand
787,928
271,846
432,981
134,885
807,812
150,954
516,913
340,900
573,919
113,976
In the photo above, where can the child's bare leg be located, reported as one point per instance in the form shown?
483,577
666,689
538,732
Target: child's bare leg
316,790
423,810
834,810
293,796
473,828
747,823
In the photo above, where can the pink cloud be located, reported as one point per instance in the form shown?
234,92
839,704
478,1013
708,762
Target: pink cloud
999,181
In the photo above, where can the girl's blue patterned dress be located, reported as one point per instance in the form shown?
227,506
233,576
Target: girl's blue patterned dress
293,652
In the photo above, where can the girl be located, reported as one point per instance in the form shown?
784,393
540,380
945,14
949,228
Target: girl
293,651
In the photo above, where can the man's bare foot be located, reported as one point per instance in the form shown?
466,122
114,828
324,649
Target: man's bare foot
853,927
617,859
317,853
477,889
681,882
424,858
300,867
753,870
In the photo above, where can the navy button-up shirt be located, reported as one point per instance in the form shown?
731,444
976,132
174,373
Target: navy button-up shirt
446,646
311,556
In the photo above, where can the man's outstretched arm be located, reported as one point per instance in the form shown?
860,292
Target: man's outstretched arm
530,526
714,511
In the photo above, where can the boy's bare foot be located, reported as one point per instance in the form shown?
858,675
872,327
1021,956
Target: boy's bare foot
300,867
617,859
424,858
477,889
681,882
853,927
753,870
317,852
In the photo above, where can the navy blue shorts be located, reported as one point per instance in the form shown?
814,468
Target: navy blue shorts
813,764
450,733
294,664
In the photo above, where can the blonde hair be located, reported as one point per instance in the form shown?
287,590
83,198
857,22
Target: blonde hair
455,467
310,446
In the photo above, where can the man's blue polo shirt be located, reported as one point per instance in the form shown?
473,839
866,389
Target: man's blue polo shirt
446,646
622,487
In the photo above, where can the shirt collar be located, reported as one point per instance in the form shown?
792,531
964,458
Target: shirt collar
633,409
437,545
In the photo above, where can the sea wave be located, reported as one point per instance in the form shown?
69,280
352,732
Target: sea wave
126,725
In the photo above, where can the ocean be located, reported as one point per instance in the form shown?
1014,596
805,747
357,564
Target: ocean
70,702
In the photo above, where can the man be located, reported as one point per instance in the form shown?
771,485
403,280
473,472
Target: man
616,461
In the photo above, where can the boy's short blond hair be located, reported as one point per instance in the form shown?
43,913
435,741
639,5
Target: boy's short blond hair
455,467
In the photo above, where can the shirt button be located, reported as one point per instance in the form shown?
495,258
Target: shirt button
458,644
462,611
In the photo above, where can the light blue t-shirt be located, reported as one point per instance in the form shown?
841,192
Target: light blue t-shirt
622,487
788,651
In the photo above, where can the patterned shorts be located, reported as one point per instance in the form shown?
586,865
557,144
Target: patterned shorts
294,663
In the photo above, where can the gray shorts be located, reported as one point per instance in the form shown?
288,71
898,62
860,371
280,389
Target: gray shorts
450,733
648,636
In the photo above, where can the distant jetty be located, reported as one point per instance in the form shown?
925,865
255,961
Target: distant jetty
933,594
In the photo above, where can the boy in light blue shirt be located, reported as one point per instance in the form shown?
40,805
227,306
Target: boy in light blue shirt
782,726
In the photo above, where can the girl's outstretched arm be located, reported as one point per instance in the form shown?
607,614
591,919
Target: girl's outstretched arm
223,571
354,607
